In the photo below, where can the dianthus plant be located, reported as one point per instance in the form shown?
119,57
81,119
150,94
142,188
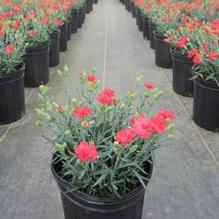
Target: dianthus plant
103,142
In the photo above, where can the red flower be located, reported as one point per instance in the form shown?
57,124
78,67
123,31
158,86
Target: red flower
159,123
59,109
196,60
125,136
82,112
91,78
9,49
45,20
149,85
143,127
166,114
205,44
192,53
182,41
32,33
212,55
85,151
106,97
58,22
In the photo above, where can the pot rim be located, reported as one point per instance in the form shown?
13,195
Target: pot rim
211,85
13,75
97,200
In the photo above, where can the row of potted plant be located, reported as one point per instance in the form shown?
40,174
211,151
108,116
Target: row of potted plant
185,36
32,34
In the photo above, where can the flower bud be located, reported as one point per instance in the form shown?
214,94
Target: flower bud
170,127
140,78
133,148
60,147
67,133
43,89
158,94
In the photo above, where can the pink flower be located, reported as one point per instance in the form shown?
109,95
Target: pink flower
106,97
91,78
196,60
159,124
85,151
166,114
192,53
59,109
82,112
182,42
32,33
149,85
212,55
9,49
125,136
143,127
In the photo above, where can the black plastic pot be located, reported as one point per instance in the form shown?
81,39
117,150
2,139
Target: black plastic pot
146,32
80,18
182,74
151,34
74,21
36,66
64,37
162,52
128,5
12,104
133,9
69,28
89,6
140,20
206,104
83,12
54,48
78,205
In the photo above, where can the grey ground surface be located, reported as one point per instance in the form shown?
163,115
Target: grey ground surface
185,182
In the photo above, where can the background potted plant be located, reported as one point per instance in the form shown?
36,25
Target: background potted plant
12,106
102,160
186,40
36,37
206,85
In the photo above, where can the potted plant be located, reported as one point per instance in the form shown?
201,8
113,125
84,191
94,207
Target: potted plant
165,17
103,147
12,105
206,86
36,37
186,40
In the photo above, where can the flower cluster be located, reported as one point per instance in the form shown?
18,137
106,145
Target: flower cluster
191,28
28,23
103,141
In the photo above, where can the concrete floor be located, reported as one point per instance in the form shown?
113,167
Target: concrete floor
185,182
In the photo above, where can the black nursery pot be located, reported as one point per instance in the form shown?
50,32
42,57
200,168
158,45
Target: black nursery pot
69,28
63,37
78,205
151,34
12,103
80,17
89,6
182,73
133,9
146,32
54,48
206,104
37,66
140,20
74,21
162,52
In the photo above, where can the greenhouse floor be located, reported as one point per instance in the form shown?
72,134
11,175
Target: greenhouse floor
185,181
